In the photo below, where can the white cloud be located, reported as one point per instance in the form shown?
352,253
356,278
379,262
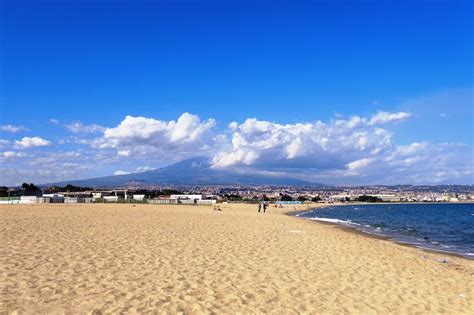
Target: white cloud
354,150
123,152
142,169
139,169
314,145
120,172
358,164
4,143
406,151
140,136
421,163
29,142
78,127
12,154
54,121
386,117
233,126
12,128
47,167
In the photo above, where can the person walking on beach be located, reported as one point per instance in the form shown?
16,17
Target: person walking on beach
264,207
259,207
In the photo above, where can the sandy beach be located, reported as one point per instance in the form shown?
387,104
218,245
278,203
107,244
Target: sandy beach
111,258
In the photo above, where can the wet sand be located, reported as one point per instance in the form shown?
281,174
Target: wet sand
110,258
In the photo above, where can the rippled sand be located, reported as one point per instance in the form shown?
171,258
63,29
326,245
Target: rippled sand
144,258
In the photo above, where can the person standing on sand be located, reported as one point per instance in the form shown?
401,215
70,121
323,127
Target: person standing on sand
264,207
259,207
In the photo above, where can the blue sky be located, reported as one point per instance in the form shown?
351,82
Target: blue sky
86,63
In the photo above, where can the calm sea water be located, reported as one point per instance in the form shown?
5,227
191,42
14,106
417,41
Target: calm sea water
442,227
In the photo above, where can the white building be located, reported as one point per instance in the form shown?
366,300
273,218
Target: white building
187,197
54,198
110,198
194,199
139,197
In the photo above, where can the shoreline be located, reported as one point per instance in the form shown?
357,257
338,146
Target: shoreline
355,230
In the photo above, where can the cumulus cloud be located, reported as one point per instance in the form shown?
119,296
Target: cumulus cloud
233,126
354,150
30,142
48,166
12,128
386,117
139,136
78,127
310,145
420,163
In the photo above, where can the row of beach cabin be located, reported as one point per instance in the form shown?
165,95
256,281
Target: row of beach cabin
98,197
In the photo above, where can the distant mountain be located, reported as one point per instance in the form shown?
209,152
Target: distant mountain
195,171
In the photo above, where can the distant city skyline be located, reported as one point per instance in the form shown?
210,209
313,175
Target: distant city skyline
339,93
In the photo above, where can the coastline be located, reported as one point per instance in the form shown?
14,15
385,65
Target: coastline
355,230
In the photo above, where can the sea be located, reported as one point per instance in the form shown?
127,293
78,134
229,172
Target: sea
443,227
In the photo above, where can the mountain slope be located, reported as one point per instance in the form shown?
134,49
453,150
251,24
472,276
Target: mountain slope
196,171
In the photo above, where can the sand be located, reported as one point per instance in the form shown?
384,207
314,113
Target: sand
111,258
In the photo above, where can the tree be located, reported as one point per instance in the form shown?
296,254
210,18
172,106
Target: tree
170,192
302,198
316,199
30,189
365,198
232,197
286,198
53,189
68,187
3,191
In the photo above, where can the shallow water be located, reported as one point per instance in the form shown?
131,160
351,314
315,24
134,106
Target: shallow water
443,227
